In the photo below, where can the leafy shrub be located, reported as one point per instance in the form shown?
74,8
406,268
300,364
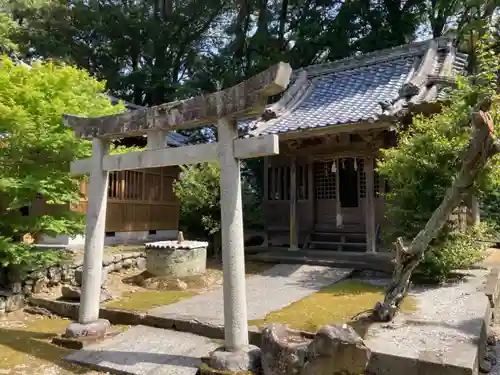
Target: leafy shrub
198,190
455,251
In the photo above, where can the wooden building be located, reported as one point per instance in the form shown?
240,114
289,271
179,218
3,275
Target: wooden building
141,205
322,190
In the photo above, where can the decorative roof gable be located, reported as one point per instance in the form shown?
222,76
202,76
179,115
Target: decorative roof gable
364,88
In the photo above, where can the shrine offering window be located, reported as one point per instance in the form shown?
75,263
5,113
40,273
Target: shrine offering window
324,180
277,187
279,180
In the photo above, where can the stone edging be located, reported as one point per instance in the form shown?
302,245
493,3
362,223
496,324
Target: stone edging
13,297
127,317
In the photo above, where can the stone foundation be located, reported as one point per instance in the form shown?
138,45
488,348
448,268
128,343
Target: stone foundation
176,259
13,293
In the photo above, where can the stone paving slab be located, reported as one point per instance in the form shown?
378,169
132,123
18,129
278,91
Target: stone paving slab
146,351
273,290
440,338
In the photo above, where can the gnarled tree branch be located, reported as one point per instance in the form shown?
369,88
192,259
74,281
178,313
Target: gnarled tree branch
481,148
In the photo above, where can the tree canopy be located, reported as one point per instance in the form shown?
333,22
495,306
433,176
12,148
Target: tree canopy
36,149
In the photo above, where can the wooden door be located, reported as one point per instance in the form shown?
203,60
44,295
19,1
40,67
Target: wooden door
352,213
324,196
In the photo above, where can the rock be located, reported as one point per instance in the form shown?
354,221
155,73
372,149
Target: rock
71,292
485,366
247,359
97,328
283,350
179,284
127,263
118,257
141,263
79,276
16,287
105,296
107,260
40,285
67,274
14,302
37,310
491,340
37,275
118,265
164,283
14,275
54,275
28,289
334,349
337,348
2,304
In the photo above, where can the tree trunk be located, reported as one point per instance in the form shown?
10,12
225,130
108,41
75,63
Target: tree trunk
481,148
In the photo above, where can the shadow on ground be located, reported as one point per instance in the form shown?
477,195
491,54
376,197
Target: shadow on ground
28,348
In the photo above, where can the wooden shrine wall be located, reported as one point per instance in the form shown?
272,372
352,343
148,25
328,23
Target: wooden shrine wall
140,200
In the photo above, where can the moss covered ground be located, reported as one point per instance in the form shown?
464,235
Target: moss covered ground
336,304
25,347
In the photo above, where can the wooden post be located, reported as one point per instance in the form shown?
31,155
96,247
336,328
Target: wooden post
371,240
94,235
338,206
266,199
294,242
310,194
233,252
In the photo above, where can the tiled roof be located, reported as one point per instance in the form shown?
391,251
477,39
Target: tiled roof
364,88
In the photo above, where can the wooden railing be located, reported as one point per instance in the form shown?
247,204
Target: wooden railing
139,200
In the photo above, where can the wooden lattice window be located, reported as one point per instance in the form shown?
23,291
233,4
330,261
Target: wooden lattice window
325,181
362,178
116,184
376,184
278,183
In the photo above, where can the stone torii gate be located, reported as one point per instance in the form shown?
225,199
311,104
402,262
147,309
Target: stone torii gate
224,108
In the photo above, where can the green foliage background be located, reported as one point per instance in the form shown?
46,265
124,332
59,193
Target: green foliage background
36,151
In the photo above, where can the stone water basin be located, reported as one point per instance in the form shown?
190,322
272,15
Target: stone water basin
176,259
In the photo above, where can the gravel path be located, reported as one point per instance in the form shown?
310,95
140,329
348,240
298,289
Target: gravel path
274,289
447,324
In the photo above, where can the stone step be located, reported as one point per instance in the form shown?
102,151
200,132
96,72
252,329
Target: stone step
333,243
146,350
356,263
